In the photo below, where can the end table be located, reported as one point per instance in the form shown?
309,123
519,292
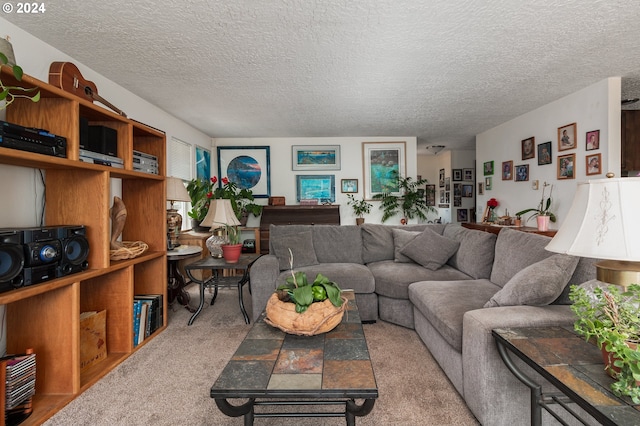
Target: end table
217,280
175,280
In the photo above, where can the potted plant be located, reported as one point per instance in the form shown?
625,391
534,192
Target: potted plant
305,307
360,208
612,316
232,249
542,212
202,191
412,203
10,93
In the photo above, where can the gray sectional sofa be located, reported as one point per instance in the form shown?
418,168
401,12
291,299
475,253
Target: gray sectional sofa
451,284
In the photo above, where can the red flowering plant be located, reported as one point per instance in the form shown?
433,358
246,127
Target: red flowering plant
492,203
202,191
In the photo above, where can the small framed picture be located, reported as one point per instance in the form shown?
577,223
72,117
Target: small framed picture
447,184
567,137
522,173
467,174
528,148
488,168
441,179
566,166
457,201
463,215
544,153
467,190
593,140
442,196
457,174
316,187
488,183
457,189
349,185
430,195
594,164
447,197
480,188
507,170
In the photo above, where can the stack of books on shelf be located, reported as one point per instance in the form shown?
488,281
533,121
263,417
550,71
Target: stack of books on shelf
103,159
143,162
18,375
147,316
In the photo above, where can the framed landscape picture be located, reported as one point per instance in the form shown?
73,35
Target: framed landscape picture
316,187
383,162
567,137
246,166
349,185
315,157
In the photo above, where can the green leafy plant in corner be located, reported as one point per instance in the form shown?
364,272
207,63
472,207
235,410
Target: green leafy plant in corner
612,316
412,203
10,93
303,293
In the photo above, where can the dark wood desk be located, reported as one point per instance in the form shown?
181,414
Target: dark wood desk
572,365
495,229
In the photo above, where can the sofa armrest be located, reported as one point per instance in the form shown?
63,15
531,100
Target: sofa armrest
263,275
491,391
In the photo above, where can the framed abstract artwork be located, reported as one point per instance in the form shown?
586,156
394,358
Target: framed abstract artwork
246,166
383,163
203,163
316,187
315,157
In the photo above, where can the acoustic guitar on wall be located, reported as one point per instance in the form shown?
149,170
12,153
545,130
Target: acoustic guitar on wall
66,76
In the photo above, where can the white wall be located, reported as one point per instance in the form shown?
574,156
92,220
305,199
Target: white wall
283,181
595,107
429,168
22,197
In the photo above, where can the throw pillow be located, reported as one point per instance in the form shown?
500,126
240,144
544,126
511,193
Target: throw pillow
400,239
301,245
538,284
430,249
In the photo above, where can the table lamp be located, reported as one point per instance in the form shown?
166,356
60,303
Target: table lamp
219,215
175,192
603,223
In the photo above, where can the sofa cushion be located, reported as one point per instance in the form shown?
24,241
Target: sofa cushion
475,254
585,271
538,284
334,243
515,250
301,245
444,303
430,249
400,239
377,239
346,275
393,279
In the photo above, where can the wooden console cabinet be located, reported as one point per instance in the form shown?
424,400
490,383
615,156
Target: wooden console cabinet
295,215
496,229
46,316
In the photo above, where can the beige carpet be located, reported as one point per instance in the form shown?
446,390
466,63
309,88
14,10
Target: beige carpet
167,381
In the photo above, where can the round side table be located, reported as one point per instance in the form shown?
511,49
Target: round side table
175,280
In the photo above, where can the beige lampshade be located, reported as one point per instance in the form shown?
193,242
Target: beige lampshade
603,223
220,213
176,190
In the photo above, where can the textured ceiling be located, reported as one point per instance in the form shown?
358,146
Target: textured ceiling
440,70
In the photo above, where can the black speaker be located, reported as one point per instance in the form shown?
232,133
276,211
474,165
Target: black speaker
75,250
103,140
84,134
11,260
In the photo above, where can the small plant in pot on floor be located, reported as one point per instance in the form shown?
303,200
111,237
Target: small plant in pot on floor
612,316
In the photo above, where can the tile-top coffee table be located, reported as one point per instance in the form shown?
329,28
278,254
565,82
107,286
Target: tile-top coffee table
277,368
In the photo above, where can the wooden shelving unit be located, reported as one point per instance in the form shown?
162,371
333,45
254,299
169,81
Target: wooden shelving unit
46,316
